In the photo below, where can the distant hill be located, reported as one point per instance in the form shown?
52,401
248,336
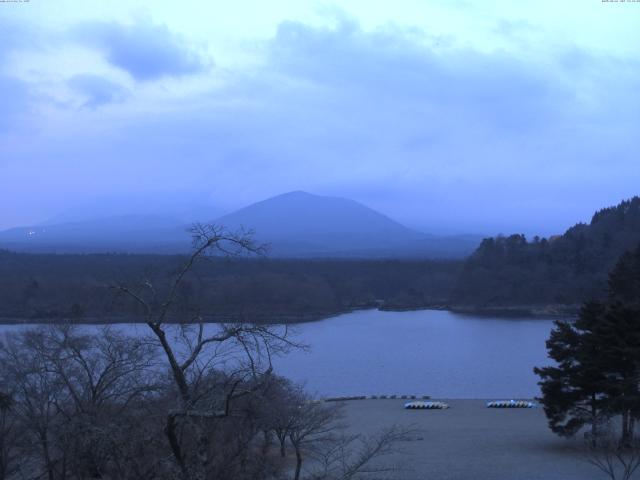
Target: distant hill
180,206
125,233
300,224
561,270
295,224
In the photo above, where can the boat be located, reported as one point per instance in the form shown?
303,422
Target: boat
510,404
420,405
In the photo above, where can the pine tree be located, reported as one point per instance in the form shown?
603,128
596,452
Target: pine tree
620,341
597,372
624,280
573,392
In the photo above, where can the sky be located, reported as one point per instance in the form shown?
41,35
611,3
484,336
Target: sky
453,116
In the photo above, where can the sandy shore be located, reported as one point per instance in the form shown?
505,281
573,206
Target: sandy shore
470,441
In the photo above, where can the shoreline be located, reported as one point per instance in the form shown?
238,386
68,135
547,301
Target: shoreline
523,311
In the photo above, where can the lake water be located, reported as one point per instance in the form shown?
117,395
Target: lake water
426,352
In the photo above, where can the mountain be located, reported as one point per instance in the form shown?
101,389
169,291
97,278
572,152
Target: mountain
301,224
295,224
182,206
299,221
123,233
561,270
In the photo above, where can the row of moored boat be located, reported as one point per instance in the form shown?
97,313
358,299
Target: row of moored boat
494,404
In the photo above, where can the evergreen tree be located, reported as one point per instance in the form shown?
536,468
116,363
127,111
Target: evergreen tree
624,280
597,372
620,340
561,270
573,392
618,337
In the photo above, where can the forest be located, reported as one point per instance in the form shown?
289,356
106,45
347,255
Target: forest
505,273
560,270
80,287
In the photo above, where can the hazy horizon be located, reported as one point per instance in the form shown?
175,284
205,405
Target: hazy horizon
195,209
448,117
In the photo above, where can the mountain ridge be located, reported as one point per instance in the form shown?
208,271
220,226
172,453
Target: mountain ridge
295,224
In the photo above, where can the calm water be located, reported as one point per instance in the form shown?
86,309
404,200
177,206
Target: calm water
426,352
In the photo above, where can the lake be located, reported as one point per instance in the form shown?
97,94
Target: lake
425,352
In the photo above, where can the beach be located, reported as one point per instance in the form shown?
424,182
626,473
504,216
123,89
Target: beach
470,441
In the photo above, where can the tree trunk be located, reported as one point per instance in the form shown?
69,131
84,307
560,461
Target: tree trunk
185,396
298,462
47,456
170,432
178,374
203,450
594,422
267,442
283,451
625,440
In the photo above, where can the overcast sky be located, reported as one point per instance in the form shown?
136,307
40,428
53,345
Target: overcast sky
450,116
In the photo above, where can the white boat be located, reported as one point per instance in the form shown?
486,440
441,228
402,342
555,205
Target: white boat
419,405
510,404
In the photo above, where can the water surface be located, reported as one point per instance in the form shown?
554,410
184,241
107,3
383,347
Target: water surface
430,352
426,352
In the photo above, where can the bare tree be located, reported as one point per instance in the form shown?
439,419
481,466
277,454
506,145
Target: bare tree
9,437
616,459
35,392
190,400
244,350
279,409
316,430
348,457
73,394
313,423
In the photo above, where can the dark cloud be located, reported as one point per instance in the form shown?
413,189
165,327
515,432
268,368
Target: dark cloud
145,50
97,90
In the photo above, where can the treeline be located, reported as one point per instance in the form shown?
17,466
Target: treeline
561,270
80,287
509,273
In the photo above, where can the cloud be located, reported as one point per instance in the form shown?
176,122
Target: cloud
403,66
443,136
459,136
15,93
17,102
17,36
97,90
145,50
